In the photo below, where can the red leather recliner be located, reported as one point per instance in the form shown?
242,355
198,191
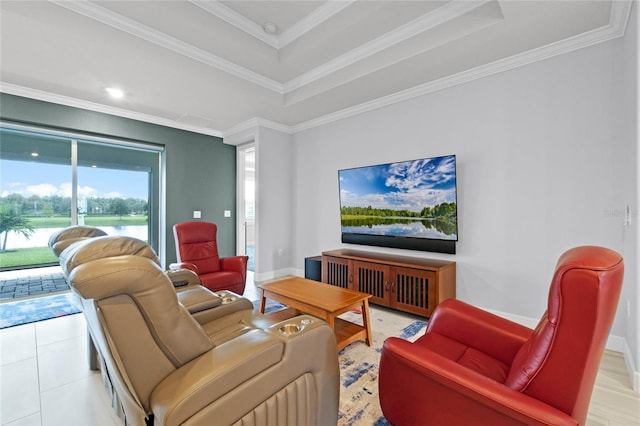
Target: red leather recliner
474,368
197,250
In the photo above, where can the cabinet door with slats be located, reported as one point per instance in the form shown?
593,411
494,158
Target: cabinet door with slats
413,290
335,271
371,278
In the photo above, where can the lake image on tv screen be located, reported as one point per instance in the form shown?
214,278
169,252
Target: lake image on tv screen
415,199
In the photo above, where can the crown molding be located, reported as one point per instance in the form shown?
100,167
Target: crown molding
618,20
451,10
12,89
246,131
277,41
161,39
234,18
439,16
619,17
309,22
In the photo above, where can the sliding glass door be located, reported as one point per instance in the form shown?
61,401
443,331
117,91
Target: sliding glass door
51,180
35,172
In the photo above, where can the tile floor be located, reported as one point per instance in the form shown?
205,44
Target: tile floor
44,379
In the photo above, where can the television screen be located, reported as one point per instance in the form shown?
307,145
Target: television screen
410,204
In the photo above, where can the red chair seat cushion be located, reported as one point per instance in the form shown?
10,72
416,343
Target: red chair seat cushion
222,280
466,356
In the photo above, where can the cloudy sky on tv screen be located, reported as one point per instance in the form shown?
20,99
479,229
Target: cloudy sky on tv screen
409,185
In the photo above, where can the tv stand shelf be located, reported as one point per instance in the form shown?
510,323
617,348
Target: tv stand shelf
410,284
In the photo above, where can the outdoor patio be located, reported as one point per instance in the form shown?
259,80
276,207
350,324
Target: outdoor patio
26,283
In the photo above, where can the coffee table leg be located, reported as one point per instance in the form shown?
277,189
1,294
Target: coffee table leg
366,320
263,301
331,320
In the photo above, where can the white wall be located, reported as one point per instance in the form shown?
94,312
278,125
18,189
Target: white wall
274,215
630,129
541,168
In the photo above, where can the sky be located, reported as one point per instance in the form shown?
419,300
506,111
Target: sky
41,179
409,185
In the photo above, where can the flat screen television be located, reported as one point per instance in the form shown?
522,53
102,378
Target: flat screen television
409,205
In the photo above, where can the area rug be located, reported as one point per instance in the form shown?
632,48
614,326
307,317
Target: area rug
359,403
38,309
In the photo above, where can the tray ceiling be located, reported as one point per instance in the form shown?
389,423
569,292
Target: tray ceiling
210,66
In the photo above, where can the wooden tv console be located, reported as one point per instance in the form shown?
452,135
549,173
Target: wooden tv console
410,284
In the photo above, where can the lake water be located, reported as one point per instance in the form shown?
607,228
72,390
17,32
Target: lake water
401,227
40,238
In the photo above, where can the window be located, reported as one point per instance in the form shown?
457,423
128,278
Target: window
50,180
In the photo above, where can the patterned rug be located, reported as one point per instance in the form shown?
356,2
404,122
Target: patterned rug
38,309
359,403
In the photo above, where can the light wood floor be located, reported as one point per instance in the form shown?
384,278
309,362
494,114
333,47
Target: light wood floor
44,380
613,402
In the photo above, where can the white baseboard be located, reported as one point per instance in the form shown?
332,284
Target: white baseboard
634,374
272,275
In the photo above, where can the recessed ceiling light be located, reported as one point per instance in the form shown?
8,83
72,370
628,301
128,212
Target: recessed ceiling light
115,92
34,154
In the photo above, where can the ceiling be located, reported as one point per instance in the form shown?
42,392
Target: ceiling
210,66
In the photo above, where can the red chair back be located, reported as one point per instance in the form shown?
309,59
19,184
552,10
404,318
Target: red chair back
558,365
196,243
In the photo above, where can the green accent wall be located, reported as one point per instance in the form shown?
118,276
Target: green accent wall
200,169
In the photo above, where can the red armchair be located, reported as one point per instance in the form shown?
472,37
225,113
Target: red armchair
197,250
474,368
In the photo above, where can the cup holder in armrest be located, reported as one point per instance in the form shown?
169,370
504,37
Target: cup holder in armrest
293,325
289,329
228,299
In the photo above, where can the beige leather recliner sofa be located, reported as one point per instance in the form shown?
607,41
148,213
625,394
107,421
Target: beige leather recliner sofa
229,366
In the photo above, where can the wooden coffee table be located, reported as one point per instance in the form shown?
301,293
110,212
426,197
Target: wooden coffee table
323,301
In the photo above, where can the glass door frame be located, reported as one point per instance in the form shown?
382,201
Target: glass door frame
241,224
157,184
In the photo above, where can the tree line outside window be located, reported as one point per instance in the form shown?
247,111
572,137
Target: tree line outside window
48,206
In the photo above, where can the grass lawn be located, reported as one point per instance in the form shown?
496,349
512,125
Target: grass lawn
61,222
27,256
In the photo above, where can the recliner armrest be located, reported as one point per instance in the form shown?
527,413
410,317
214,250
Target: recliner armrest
234,263
183,265
183,278
210,376
229,381
482,330
408,370
198,298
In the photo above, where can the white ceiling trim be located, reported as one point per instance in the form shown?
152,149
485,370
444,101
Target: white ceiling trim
439,16
144,32
619,17
277,41
309,22
245,132
238,20
618,20
40,95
